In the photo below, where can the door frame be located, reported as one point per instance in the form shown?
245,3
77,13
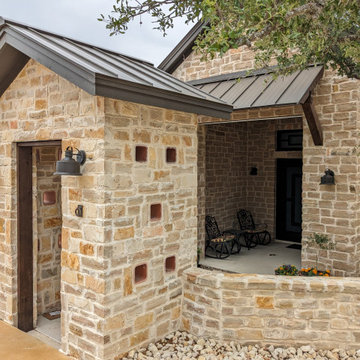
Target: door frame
289,161
25,272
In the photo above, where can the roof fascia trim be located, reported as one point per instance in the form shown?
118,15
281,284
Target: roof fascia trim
315,81
123,90
182,49
60,65
11,76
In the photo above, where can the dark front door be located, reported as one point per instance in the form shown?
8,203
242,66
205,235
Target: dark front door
288,199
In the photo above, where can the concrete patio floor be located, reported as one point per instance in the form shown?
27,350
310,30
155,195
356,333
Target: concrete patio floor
258,260
48,331
17,345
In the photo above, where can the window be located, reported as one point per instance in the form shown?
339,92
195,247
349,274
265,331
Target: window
289,140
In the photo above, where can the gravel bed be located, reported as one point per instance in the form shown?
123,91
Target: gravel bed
182,345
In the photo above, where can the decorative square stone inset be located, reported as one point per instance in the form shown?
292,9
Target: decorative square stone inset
140,273
155,211
170,264
49,198
170,155
141,153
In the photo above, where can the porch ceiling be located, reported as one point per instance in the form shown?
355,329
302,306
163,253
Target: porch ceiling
260,89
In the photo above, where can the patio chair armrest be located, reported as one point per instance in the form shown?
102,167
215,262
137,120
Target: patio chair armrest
261,226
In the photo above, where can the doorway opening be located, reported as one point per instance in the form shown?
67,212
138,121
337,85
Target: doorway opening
289,199
39,241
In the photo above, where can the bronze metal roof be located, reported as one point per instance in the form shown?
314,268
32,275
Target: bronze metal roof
260,89
99,71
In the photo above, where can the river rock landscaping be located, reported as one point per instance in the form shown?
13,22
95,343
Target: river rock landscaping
184,346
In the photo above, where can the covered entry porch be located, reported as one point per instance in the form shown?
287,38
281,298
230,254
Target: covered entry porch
254,162
244,168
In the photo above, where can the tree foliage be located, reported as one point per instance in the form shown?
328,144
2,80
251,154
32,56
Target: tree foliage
293,32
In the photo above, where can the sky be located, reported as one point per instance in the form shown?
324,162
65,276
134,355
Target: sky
78,19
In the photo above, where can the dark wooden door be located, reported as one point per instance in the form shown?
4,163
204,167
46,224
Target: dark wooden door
289,199
25,239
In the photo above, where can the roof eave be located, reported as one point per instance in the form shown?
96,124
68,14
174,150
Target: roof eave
128,91
181,50
72,72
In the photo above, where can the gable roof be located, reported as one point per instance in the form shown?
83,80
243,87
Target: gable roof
260,89
182,49
99,71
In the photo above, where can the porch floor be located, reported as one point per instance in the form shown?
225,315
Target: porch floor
48,331
258,260
17,345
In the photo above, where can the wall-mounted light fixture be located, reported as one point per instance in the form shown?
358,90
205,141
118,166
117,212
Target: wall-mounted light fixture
69,166
328,178
253,171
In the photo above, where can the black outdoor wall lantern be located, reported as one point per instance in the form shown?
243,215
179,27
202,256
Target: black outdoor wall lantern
69,166
328,178
253,171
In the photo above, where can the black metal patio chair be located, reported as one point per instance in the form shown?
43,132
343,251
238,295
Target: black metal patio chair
221,243
254,233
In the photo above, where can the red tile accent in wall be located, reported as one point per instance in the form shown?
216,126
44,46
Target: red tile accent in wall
49,197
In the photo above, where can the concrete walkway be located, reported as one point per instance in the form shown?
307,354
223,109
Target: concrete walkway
17,345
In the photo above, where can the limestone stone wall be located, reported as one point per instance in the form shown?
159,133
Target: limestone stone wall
47,234
40,105
265,309
121,263
192,68
334,210
143,309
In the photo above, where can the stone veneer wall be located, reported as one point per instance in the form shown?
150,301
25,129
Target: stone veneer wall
192,68
331,210
104,311
40,105
137,313
268,309
231,150
48,223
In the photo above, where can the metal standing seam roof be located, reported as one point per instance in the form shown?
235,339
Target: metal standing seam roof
99,71
260,89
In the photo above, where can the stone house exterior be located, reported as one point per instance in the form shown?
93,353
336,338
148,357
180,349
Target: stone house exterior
120,273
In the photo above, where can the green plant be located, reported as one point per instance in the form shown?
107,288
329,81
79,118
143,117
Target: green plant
289,270
320,242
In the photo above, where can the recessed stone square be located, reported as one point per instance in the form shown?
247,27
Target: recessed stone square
170,264
140,273
155,212
170,155
141,153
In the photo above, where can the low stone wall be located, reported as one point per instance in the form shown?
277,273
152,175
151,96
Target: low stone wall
268,309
